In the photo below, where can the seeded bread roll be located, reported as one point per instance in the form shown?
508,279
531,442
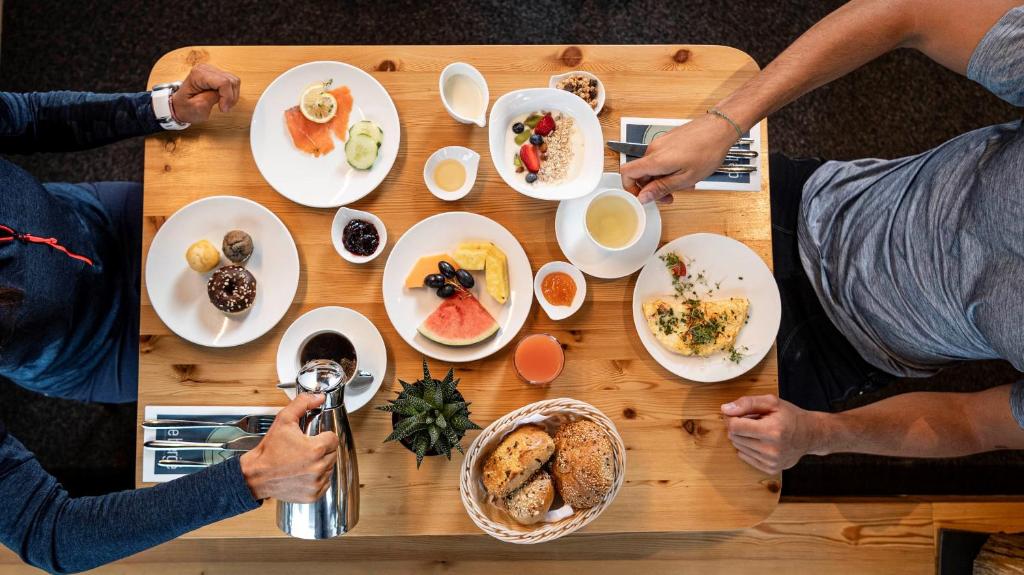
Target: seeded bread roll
530,503
516,459
583,467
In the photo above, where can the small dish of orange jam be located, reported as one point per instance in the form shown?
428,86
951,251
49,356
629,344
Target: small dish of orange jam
560,289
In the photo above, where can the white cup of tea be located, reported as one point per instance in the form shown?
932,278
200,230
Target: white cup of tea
615,220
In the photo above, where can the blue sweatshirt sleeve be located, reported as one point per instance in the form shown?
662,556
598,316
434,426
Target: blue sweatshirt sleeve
60,534
70,121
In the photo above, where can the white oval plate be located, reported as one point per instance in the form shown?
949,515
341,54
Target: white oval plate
580,250
327,181
723,260
371,354
443,233
520,102
178,293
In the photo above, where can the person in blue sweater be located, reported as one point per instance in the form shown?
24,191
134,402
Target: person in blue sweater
69,327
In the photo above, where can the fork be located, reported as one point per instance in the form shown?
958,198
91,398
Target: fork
258,424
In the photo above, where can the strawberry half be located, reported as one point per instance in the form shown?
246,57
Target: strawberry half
530,157
545,126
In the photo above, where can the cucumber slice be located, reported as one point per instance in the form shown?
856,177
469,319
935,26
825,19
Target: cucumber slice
361,151
367,128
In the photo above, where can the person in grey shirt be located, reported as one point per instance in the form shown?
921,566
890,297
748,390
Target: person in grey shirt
887,267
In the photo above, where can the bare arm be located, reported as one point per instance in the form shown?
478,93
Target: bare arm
773,434
947,31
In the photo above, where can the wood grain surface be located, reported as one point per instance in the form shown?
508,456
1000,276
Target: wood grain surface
682,474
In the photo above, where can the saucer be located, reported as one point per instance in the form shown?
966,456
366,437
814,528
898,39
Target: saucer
570,230
371,355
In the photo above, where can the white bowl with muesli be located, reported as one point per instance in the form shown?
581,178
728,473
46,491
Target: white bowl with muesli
546,143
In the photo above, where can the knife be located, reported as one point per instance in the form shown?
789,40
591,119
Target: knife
244,443
638,150
173,463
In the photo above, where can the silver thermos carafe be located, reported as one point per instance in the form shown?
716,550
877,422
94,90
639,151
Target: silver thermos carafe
337,510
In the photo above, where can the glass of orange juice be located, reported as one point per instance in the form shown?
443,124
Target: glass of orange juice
539,359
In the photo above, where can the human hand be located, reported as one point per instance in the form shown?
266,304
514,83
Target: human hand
772,434
289,465
204,87
678,159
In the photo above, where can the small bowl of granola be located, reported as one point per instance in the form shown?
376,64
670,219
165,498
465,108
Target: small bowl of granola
587,86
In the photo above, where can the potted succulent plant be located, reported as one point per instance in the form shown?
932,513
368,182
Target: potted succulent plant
430,416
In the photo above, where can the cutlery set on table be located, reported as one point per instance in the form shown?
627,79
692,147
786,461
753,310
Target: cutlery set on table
255,427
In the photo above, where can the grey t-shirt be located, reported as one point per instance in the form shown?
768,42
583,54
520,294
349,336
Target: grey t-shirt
919,261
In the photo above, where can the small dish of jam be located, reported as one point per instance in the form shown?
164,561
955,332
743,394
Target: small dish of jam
560,289
358,236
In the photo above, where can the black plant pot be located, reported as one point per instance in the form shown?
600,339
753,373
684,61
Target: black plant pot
407,442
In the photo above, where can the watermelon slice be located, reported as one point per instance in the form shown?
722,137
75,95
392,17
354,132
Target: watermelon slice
459,321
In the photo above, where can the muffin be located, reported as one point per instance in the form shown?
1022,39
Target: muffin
531,502
232,289
202,256
516,459
583,466
237,246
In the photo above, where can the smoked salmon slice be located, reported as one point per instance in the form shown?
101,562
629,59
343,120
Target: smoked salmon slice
339,124
309,136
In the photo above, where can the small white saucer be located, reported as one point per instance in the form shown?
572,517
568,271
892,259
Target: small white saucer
469,159
601,94
342,218
560,312
371,355
571,232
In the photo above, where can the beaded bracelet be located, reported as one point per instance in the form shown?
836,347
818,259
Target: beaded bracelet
735,126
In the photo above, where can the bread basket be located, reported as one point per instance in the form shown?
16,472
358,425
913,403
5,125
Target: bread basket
493,521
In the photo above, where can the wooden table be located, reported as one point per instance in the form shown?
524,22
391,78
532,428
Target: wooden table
682,473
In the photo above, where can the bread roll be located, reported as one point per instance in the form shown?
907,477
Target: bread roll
583,467
530,503
516,459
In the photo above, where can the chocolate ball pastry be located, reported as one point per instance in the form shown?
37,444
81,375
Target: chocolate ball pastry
232,289
583,465
202,256
237,246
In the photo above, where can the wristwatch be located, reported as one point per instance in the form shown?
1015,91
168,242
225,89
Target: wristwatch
162,106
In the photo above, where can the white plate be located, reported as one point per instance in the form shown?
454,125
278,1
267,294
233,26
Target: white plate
327,181
571,233
560,312
520,102
178,293
371,355
407,308
722,260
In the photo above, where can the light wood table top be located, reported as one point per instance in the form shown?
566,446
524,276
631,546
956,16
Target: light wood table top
682,473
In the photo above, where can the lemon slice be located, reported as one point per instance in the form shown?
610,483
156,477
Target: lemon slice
318,105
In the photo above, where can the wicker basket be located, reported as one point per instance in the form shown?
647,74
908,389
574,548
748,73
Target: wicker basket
494,521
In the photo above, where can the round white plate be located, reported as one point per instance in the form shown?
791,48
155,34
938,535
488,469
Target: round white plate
371,355
724,261
571,233
178,293
327,181
442,233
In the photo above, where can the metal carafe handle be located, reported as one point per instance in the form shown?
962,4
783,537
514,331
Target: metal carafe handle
336,512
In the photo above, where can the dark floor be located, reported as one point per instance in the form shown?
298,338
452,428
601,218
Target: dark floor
898,105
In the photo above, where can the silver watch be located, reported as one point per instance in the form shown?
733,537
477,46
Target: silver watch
162,106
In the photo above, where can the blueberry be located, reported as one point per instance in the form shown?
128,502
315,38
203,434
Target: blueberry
465,279
446,269
536,139
531,177
446,291
518,127
434,281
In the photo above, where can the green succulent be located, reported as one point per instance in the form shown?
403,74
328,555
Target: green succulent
433,415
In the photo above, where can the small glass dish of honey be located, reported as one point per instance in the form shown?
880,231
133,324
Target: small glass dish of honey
451,172
560,289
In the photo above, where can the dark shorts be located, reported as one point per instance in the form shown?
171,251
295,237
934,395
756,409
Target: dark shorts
818,367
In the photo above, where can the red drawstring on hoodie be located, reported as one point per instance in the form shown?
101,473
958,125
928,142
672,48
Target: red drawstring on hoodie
9,235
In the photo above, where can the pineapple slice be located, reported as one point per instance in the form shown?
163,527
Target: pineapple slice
472,255
496,274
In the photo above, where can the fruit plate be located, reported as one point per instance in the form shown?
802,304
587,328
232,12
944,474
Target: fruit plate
327,181
588,129
407,308
178,293
729,269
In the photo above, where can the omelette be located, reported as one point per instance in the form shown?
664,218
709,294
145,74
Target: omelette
696,327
